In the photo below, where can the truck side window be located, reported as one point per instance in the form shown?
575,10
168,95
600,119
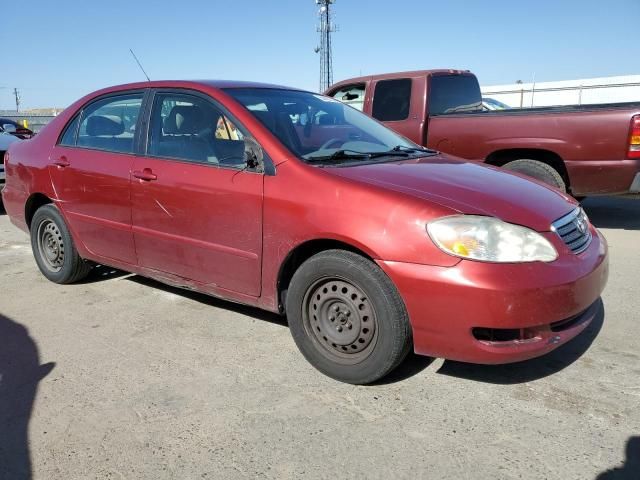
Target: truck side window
454,94
352,95
392,99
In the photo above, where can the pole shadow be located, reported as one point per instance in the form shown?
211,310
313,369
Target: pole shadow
533,369
20,372
630,470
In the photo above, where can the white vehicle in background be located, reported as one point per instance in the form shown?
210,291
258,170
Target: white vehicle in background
6,139
493,104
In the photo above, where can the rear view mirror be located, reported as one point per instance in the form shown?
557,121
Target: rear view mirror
9,128
253,153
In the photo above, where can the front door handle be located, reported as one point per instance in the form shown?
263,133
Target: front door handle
146,175
62,162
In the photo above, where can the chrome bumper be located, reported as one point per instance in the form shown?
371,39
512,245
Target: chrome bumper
635,185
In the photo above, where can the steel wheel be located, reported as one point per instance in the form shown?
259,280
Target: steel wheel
50,245
342,320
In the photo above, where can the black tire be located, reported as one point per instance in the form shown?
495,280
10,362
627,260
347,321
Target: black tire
347,318
53,247
538,170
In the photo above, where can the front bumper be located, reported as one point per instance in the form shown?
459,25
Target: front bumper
635,185
550,303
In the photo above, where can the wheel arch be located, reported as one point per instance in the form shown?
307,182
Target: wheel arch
301,253
499,158
33,203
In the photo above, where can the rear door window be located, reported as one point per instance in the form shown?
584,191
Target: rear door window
392,100
110,124
352,95
454,94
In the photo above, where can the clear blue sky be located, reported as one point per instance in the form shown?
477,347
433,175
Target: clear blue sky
56,51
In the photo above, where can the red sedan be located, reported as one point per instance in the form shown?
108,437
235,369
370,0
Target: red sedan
299,204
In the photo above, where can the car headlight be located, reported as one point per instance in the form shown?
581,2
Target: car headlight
489,239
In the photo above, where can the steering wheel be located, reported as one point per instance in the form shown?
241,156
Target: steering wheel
331,141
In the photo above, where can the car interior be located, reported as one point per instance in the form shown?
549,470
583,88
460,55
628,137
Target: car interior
194,131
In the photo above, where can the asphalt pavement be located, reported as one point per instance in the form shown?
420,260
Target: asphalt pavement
122,377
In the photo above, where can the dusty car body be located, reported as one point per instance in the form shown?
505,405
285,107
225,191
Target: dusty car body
293,202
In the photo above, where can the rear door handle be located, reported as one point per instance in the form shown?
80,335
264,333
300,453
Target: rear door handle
146,175
62,162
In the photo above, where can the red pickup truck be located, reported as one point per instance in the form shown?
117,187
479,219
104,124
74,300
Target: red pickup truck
584,150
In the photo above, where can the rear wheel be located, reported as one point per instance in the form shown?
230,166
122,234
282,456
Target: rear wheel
53,247
538,170
347,317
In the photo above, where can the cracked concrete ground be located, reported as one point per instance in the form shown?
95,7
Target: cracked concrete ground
139,380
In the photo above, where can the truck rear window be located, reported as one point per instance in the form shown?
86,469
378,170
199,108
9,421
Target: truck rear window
391,100
454,94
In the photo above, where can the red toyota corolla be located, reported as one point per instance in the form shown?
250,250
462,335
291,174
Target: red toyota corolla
299,204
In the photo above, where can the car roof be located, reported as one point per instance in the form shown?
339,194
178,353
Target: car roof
12,122
411,73
219,84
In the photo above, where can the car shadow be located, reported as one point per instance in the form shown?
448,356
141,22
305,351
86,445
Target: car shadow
630,470
20,372
211,301
533,369
2,210
410,366
613,212
101,273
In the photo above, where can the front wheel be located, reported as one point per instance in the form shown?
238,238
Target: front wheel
53,247
347,317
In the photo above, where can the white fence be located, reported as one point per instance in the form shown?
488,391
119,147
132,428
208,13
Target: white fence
571,92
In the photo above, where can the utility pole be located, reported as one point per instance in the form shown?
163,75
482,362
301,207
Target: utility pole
326,28
16,93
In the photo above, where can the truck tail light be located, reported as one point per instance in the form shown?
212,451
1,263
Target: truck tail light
634,138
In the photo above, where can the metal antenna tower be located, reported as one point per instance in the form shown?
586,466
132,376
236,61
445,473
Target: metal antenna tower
326,28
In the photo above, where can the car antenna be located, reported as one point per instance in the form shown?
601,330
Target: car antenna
139,64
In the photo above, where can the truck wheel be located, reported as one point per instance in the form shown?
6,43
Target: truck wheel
53,248
538,170
347,317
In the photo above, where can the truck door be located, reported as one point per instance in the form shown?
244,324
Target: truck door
399,104
449,97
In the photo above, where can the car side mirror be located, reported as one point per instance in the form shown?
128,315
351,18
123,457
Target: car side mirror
9,128
253,155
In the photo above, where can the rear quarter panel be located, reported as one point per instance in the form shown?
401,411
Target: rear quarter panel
589,135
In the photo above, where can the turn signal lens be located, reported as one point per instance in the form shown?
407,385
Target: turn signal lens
634,138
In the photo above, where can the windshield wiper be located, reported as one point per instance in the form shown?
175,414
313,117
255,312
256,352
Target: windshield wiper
345,154
339,155
404,148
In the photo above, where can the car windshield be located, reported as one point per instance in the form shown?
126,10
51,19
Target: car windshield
320,129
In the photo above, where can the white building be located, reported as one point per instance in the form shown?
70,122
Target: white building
624,88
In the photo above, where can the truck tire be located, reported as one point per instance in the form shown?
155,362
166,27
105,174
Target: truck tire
53,247
538,170
347,318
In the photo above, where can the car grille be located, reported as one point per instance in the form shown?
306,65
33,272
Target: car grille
574,230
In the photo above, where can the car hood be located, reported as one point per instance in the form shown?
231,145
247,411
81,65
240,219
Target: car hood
467,187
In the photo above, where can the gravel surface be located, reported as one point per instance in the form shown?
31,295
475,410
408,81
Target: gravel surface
132,379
